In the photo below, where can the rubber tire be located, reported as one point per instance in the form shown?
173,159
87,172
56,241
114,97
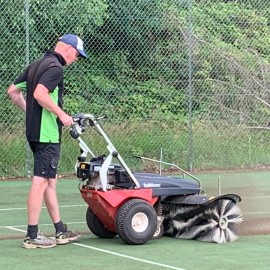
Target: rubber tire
125,215
158,232
96,226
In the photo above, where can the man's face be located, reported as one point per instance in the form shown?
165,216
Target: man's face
71,55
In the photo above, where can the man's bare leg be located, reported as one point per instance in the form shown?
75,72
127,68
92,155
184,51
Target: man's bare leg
35,199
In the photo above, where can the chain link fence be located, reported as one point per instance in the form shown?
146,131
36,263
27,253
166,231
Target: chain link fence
186,81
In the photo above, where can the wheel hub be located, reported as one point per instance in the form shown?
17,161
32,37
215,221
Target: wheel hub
139,222
223,222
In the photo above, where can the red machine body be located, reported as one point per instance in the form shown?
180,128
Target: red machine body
105,205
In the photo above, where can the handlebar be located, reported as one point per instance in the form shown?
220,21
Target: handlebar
81,122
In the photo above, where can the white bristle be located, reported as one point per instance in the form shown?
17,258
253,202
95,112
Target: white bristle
216,223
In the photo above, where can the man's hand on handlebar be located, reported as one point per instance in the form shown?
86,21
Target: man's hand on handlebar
66,119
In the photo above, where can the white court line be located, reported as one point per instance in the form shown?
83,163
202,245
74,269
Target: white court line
128,257
44,207
50,224
252,213
256,197
82,205
15,229
114,253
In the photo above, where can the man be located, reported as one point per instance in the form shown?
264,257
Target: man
43,82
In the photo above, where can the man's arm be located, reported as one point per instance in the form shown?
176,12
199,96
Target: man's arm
16,96
41,94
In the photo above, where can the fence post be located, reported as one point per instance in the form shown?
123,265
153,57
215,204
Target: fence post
27,161
190,86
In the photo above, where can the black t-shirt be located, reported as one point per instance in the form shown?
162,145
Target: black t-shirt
42,125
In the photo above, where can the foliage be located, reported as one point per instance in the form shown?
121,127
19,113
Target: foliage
137,48
164,61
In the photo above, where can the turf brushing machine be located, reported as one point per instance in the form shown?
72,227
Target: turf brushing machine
143,206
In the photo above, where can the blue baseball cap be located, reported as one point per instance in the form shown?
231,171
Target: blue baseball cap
75,42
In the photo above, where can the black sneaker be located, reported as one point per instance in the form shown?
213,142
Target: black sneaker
40,241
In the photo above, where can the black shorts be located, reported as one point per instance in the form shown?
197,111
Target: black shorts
46,157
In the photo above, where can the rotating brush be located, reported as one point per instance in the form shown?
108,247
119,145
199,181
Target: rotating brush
214,222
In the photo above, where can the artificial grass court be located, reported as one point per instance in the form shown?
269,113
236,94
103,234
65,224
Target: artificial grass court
90,252
249,253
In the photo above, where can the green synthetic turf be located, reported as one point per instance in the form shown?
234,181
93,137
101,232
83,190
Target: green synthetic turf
249,252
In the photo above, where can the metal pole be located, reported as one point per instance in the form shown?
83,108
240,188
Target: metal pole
160,164
27,5
190,86
219,186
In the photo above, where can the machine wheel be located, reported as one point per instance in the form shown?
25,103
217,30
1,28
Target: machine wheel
96,226
136,222
159,232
